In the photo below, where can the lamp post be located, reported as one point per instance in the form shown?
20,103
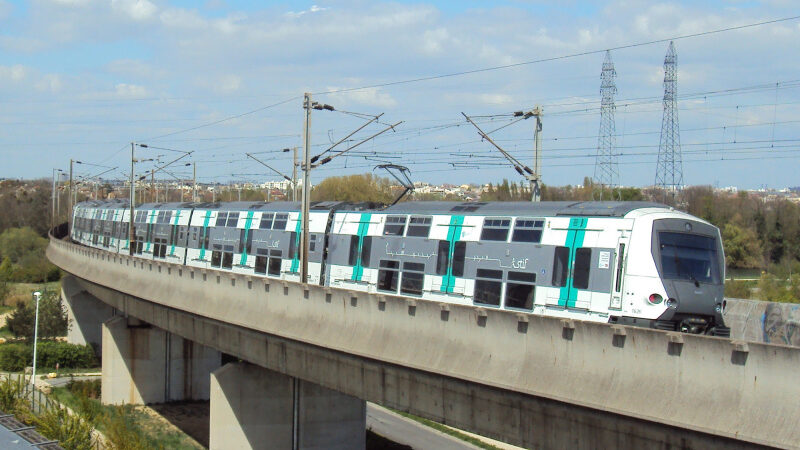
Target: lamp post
37,295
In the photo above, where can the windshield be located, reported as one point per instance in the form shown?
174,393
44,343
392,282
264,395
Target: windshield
689,257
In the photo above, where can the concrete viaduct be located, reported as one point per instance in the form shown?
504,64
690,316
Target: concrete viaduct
313,356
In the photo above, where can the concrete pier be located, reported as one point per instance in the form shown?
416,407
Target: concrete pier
85,313
143,364
252,407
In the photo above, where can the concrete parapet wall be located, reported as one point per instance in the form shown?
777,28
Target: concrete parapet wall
757,321
504,362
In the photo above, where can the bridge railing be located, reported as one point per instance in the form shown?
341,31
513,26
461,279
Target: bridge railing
746,391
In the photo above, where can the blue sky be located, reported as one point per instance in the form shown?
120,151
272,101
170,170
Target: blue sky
81,79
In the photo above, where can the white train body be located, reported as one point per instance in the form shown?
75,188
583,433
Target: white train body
632,263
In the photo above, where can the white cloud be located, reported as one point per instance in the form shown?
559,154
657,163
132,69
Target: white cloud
49,83
135,9
14,73
229,84
367,97
123,90
313,9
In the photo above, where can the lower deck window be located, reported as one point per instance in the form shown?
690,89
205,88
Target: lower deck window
388,274
216,256
227,257
261,264
413,278
520,290
488,287
274,267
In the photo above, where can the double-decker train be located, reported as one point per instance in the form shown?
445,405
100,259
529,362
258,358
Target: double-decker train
632,263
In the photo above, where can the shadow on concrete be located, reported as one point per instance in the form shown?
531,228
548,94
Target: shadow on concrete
191,417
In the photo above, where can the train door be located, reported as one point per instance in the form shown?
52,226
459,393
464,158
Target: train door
618,280
572,265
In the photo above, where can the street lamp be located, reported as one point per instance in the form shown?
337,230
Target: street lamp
37,295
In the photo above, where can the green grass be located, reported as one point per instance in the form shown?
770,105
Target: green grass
144,428
23,292
448,430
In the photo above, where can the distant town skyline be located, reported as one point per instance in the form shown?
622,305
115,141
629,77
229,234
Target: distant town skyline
82,79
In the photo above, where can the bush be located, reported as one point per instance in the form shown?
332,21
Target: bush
84,388
71,431
738,288
15,357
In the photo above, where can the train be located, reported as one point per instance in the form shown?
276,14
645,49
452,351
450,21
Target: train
630,263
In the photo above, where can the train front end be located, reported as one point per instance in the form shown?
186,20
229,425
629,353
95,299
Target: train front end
678,285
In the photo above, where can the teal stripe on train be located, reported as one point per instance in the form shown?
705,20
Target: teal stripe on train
453,235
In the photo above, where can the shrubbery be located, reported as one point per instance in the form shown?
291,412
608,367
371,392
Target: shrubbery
14,357
22,252
52,318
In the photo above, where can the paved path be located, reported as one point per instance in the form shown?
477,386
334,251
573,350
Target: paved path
406,431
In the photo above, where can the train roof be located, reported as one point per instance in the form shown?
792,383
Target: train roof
546,209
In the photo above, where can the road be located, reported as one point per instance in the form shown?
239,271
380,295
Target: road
406,431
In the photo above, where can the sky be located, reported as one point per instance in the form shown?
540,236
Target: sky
82,79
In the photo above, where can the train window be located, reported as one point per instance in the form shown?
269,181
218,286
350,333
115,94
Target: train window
227,258
583,262
249,242
620,259
527,230
495,229
488,287
560,266
352,256
261,264
419,226
292,245
266,221
216,256
366,250
395,226
280,221
388,275
205,238
413,278
312,242
459,253
241,240
443,257
274,262
222,217
163,250
233,217
520,289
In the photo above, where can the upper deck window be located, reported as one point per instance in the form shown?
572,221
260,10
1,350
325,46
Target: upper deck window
280,221
495,229
527,230
266,221
395,226
419,226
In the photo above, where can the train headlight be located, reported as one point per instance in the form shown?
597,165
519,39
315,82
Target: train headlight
654,299
672,303
718,307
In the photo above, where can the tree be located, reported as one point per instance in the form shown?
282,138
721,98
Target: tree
742,247
354,188
52,317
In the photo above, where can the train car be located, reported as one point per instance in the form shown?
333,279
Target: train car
632,263
99,224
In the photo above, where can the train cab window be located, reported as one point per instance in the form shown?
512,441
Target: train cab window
274,267
222,217
519,290
488,287
583,262
560,266
227,257
280,221
419,226
527,230
388,275
266,221
495,229
395,226
413,278
216,256
233,217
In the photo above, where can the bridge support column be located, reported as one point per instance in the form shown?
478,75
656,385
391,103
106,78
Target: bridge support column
252,407
144,364
86,314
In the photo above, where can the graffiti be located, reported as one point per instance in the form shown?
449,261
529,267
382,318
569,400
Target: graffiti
781,324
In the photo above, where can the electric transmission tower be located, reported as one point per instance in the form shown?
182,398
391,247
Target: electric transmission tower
669,171
606,169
